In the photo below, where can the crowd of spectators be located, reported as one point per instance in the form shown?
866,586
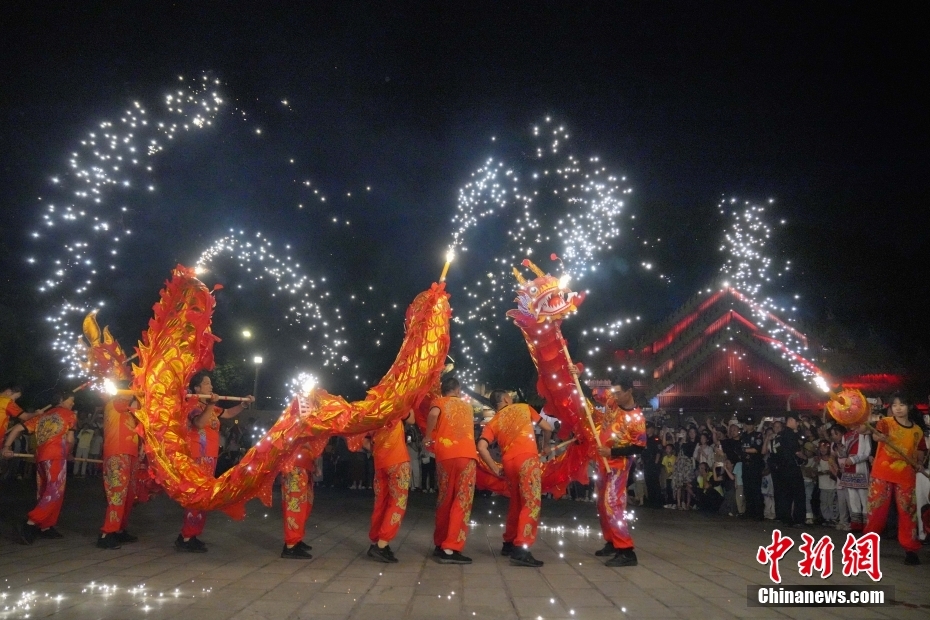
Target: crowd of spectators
797,469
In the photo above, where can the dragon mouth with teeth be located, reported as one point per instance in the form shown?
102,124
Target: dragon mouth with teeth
545,298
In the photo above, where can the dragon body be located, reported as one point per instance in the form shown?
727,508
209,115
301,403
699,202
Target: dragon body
179,343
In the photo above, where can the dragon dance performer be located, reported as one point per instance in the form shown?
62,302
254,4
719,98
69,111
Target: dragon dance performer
392,484
204,443
9,409
893,477
297,500
120,467
450,433
512,428
54,430
622,434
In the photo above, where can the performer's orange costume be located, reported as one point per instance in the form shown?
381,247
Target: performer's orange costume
392,481
893,477
512,428
297,491
619,430
456,461
120,463
205,449
51,429
8,409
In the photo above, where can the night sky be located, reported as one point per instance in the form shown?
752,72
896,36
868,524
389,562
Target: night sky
817,108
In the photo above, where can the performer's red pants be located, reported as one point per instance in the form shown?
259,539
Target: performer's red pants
296,503
905,496
195,520
524,477
611,505
453,509
51,477
119,473
391,487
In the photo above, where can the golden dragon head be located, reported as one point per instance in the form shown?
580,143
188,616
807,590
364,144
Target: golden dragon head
545,298
105,357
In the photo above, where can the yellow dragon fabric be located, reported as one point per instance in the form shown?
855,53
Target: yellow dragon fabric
179,343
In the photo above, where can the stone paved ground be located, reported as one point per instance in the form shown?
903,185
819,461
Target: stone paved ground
691,566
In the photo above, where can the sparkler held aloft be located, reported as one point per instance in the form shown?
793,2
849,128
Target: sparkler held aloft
450,256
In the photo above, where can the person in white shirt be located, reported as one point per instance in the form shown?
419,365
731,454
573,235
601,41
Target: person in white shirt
855,475
768,495
84,439
827,471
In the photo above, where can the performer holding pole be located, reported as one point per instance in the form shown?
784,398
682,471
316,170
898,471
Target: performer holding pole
9,410
894,478
512,428
622,435
392,484
204,443
120,464
54,430
450,435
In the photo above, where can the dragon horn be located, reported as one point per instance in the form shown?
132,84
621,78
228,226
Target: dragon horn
519,276
91,328
528,263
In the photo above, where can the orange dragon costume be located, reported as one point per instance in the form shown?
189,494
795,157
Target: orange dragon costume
391,486
453,442
512,429
106,358
297,497
179,342
624,432
893,478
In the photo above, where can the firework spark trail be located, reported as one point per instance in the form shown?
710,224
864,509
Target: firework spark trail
84,227
552,201
305,299
747,269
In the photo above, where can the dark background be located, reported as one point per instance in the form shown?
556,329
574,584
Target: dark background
819,107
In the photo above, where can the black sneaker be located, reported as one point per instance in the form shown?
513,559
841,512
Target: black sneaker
199,544
437,551
608,550
295,553
108,541
911,558
50,532
623,557
189,545
507,549
29,533
390,553
382,555
453,558
126,537
523,557
304,546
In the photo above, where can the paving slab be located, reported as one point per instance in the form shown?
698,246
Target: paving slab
690,565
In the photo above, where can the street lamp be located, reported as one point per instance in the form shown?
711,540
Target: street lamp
246,334
258,364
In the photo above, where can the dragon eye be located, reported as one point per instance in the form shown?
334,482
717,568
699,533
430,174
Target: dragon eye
533,290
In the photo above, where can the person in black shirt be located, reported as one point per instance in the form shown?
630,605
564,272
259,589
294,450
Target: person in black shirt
790,505
751,448
730,445
651,457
